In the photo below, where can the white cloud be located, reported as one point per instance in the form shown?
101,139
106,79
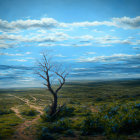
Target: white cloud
89,53
105,45
84,37
18,60
107,40
4,45
94,23
131,37
25,79
82,45
59,55
41,35
127,22
11,37
97,31
47,45
50,23
30,58
77,69
112,58
52,45
112,30
17,54
46,23
123,22
70,44
51,37
28,53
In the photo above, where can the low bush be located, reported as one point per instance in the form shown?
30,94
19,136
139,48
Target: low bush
5,111
82,110
58,127
45,134
69,133
91,125
99,99
64,111
121,118
29,112
113,119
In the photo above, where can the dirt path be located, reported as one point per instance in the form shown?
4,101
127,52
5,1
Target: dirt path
93,109
26,131
17,112
27,102
33,97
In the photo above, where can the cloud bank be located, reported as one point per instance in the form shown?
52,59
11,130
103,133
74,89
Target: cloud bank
50,23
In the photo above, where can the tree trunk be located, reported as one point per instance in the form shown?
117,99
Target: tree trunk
54,104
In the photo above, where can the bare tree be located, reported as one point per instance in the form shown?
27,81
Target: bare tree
53,74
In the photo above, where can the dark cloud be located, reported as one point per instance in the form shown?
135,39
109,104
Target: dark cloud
136,48
100,70
127,22
6,67
84,41
9,77
11,72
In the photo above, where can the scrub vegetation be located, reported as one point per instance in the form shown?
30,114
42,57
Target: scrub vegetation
88,111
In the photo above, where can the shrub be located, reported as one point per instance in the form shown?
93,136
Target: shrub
60,125
91,125
46,118
64,111
82,110
113,119
120,118
99,99
45,135
30,112
129,125
5,111
51,129
69,133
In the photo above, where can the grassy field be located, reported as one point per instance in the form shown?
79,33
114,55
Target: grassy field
94,110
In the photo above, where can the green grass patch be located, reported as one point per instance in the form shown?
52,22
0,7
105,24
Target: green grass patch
8,123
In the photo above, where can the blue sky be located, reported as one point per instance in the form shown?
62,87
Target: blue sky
97,39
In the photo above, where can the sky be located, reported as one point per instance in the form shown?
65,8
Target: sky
96,39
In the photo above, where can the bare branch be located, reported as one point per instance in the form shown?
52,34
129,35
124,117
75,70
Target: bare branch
49,70
62,80
41,76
